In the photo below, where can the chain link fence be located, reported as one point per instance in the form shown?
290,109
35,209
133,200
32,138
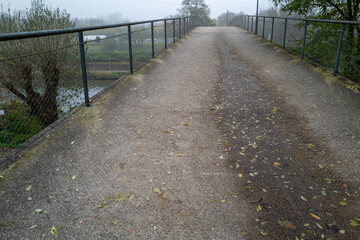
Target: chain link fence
46,75
332,44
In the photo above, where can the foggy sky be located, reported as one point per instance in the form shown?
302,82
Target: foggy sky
137,10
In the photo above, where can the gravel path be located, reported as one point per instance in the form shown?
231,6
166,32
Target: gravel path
205,142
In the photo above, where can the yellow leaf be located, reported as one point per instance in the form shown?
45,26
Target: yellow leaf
186,124
353,223
73,177
54,231
240,175
315,216
212,201
343,203
259,208
72,142
276,164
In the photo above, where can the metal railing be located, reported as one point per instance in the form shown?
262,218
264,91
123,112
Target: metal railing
332,44
46,74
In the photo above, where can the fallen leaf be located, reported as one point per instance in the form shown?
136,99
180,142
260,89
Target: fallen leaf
354,223
73,177
276,164
38,211
344,203
33,226
156,190
131,196
240,175
3,224
303,198
28,188
319,226
54,231
158,162
342,231
223,201
315,216
72,142
185,213
287,224
186,124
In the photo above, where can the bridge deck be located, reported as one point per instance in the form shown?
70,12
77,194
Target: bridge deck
224,136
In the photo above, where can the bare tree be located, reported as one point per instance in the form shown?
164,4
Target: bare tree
35,79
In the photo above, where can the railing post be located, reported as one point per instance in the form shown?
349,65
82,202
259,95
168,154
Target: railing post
174,31
130,50
184,26
152,40
284,41
272,29
304,41
252,23
339,49
263,32
248,23
83,68
179,28
165,37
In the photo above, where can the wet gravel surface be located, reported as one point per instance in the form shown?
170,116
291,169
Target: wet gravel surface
200,144
287,172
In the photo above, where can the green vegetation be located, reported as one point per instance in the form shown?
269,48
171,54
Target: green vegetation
20,124
323,38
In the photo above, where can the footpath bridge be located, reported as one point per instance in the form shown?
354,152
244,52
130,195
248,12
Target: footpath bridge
222,136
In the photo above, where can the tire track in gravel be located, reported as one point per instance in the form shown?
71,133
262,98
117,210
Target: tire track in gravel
286,172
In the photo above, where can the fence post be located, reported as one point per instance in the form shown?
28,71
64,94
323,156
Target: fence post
165,29
284,42
272,29
252,23
304,41
152,40
83,68
179,28
174,31
339,49
184,26
248,23
130,50
263,32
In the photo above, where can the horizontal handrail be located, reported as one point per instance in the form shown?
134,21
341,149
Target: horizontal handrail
305,19
34,34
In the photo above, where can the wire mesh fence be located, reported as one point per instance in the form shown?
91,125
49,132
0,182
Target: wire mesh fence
44,77
332,44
